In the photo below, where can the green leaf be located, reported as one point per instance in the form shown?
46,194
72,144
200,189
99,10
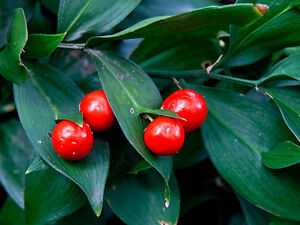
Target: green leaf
288,67
235,138
284,155
160,112
288,101
206,22
265,35
91,16
51,5
139,199
191,153
12,214
42,45
253,214
50,196
11,66
37,164
76,118
15,150
279,221
46,96
179,53
140,166
39,23
129,90
7,8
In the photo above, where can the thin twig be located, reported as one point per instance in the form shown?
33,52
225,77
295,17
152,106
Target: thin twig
71,46
176,82
210,68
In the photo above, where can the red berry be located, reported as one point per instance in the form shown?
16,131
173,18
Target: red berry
71,141
164,136
189,105
97,111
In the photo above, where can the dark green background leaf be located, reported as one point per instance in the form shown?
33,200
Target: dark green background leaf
15,151
235,138
139,199
50,196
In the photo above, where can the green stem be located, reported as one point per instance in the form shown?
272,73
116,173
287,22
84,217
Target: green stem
72,45
201,74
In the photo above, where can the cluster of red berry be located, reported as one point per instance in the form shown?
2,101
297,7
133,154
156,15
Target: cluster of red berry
163,136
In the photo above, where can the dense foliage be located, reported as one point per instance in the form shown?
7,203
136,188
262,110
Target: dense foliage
240,168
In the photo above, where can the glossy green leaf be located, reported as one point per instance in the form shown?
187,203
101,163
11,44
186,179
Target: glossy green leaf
124,84
284,155
288,67
292,51
160,112
76,118
288,101
11,66
191,153
277,29
45,97
15,150
37,164
41,45
178,53
235,138
7,8
91,16
50,196
205,22
12,214
139,199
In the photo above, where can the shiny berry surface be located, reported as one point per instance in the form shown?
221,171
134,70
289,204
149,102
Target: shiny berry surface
189,105
164,136
97,111
71,141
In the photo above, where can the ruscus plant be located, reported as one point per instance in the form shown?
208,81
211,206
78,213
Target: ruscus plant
149,112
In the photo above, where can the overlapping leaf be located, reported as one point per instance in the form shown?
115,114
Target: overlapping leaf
205,22
288,67
284,155
50,196
7,8
46,96
288,101
139,199
11,66
235,133
91,16
41,45
277,29
15,150
129,90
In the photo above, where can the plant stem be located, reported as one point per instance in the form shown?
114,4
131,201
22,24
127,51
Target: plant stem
72,45
201,74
